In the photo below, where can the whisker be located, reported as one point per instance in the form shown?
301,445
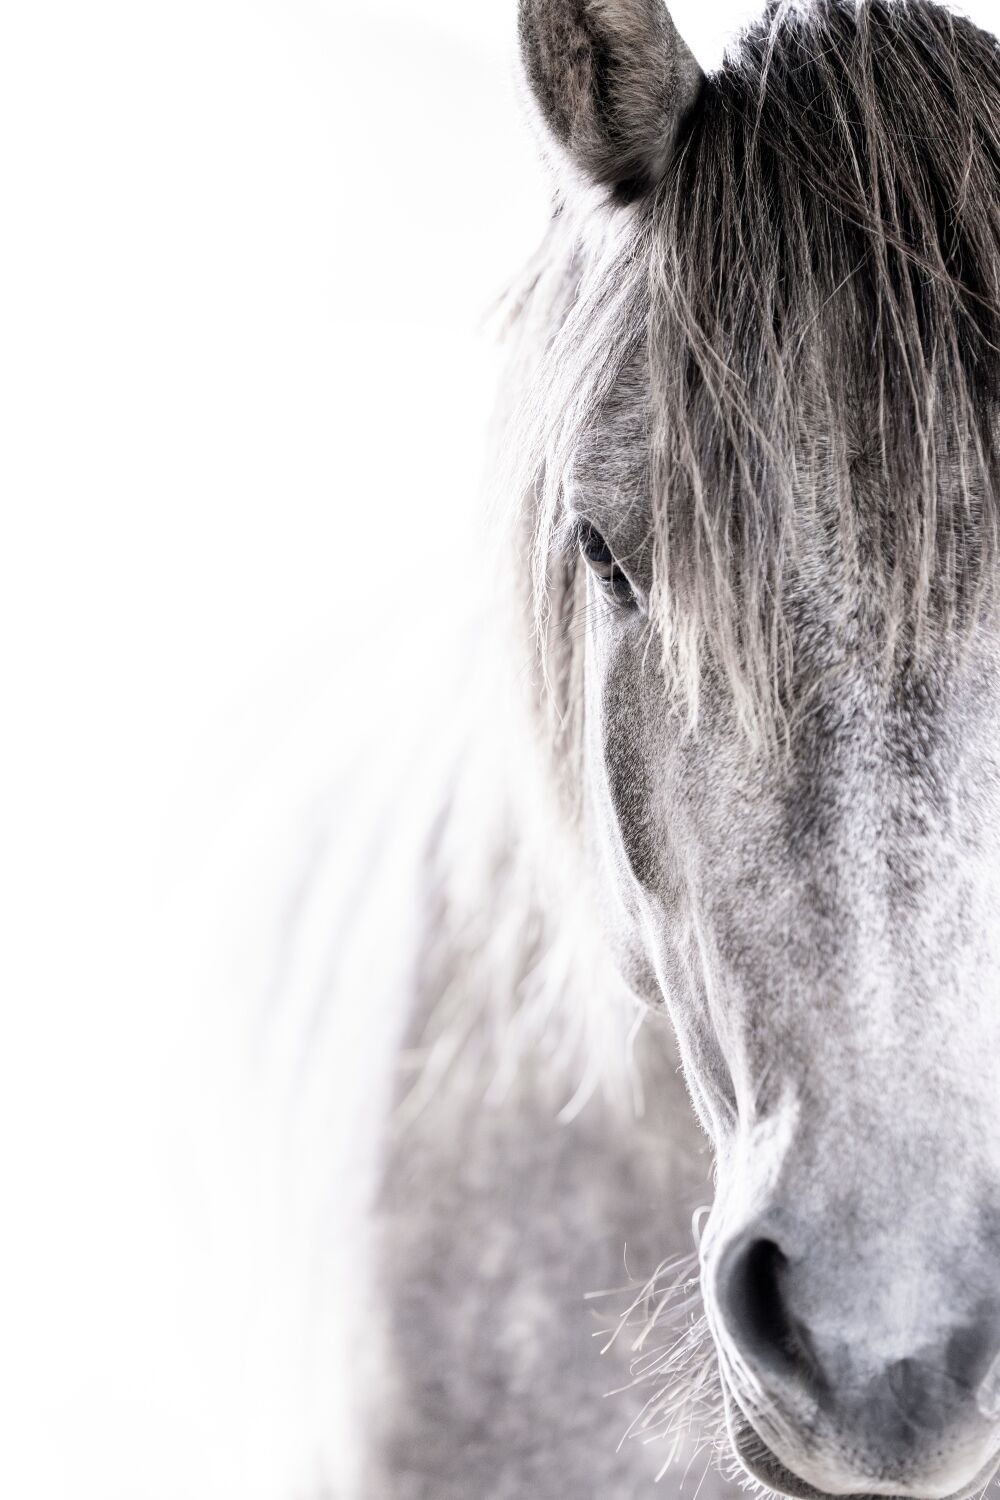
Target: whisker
676,1378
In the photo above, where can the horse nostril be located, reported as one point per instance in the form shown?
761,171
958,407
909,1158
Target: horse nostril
972,1359
754,1303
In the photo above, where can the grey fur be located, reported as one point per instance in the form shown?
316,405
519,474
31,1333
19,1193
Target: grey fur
754,829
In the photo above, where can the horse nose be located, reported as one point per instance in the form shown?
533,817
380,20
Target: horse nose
787,1339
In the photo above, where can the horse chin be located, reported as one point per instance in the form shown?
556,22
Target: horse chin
768,1470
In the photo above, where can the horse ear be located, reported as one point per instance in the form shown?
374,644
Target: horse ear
612,80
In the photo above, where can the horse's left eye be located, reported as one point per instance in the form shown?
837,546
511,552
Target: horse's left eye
601,562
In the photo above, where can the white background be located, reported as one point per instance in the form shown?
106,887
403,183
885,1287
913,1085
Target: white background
247,251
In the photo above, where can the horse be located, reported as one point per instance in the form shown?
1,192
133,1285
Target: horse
666,1100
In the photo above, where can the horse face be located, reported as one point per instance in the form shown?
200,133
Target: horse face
820,923
822,927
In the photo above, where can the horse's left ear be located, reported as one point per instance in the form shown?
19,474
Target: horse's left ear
613,80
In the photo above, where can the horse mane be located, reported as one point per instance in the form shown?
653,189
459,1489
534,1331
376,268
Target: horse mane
814,294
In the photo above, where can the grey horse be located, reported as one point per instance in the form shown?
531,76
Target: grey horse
675,1144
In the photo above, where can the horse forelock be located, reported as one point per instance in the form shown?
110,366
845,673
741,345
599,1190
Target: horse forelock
813,295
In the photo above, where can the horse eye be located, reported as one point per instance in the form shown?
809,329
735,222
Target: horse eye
601,562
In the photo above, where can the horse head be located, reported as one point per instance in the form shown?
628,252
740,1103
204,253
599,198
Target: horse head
763,521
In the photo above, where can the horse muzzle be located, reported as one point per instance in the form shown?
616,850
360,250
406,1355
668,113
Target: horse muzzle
850,1394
